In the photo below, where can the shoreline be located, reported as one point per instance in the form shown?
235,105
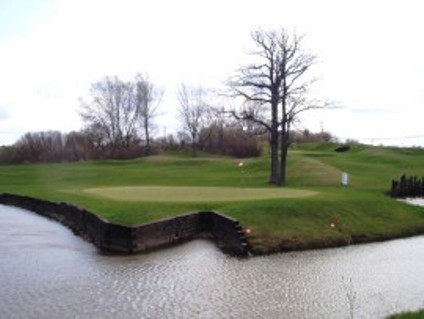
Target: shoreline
226,232
291,245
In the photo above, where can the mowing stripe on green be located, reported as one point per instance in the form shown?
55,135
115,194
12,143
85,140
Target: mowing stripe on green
194,194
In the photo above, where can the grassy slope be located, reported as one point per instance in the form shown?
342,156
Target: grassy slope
360,212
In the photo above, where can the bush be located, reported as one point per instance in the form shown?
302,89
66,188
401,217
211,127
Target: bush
52,146
342,148
307,136
229,141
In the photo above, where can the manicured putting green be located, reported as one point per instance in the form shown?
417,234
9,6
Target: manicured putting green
194,194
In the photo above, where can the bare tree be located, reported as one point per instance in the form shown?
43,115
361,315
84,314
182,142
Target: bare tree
275,91
148,99
112,112
192,111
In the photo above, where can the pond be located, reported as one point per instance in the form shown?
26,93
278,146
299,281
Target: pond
46,271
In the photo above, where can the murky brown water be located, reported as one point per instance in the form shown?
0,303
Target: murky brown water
47,272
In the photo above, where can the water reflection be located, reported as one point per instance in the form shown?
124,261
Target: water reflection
417,201
46,271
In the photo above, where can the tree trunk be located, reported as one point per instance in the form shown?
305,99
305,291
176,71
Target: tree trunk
146,132
285,142
275,174
193,145
193,149
275,170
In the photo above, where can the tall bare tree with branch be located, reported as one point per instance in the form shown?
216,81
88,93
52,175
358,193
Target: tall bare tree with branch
148,97
112,111
117,109
275,91
192,111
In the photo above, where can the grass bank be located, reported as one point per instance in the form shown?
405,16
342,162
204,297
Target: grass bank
409,315
332,216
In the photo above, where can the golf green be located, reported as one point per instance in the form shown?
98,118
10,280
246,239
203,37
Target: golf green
194,194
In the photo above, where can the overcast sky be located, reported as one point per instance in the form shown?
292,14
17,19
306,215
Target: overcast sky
371,57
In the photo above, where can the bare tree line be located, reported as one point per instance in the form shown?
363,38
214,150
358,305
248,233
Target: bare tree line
223,137
54,146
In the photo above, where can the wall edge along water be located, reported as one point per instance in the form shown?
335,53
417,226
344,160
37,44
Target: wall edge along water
225,231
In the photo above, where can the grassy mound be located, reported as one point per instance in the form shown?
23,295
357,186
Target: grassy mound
335,215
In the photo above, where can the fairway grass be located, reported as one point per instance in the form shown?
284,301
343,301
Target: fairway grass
194,194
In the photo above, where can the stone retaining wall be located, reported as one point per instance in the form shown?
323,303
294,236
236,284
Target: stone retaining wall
225,231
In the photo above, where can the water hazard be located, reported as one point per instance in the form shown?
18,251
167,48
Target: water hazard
46,271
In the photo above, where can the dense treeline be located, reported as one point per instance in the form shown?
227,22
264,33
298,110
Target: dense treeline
53,146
